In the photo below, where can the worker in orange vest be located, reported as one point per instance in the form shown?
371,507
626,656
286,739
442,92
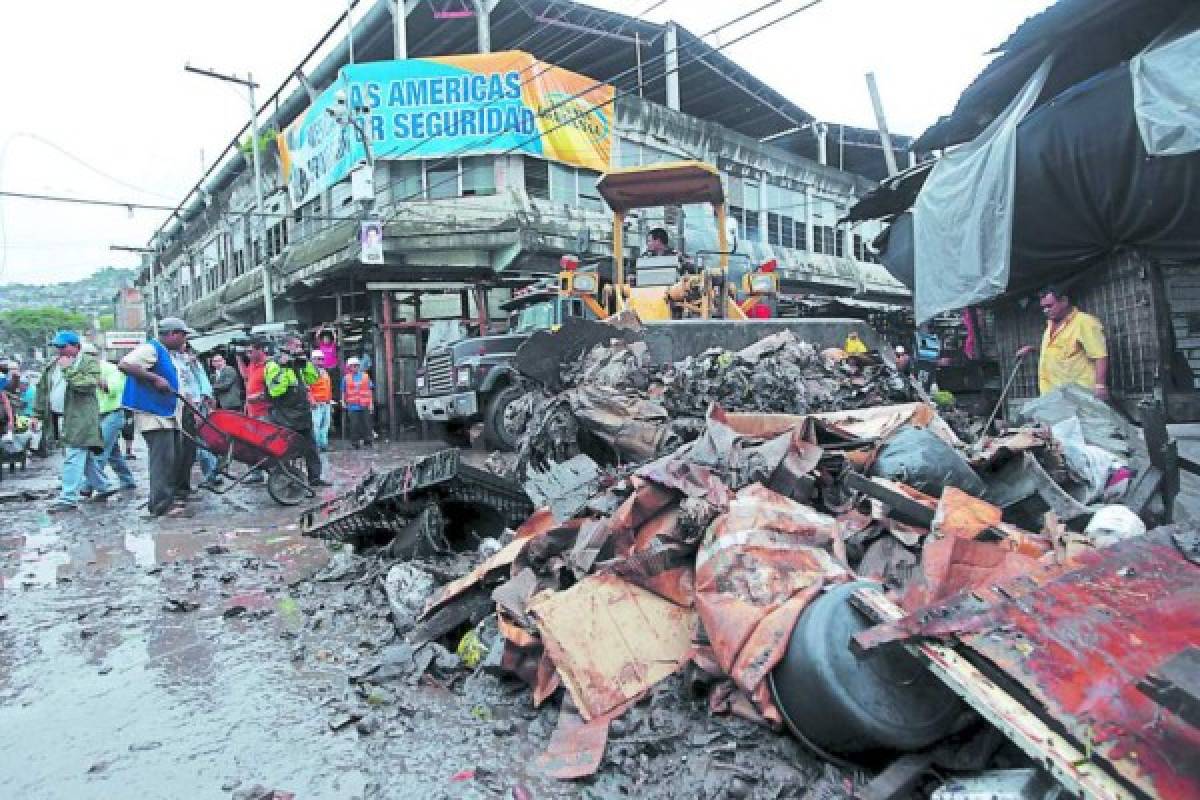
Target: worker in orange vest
358,393
320,397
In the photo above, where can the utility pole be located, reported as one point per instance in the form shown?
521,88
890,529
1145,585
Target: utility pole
885,138
250,85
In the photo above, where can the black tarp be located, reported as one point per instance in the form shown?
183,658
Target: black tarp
1086,187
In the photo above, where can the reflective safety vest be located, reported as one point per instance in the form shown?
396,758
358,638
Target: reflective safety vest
322,390
358,392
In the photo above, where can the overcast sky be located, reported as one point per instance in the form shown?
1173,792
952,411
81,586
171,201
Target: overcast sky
104,82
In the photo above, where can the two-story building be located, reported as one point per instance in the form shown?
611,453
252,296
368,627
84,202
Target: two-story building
486,134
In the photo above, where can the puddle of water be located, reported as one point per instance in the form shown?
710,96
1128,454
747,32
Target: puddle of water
39,557
39,560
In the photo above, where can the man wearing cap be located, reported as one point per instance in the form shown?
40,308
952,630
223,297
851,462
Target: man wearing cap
67,409
359,396
154,370
287,377
320,397
112,420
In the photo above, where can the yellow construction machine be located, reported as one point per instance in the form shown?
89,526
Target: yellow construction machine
671,287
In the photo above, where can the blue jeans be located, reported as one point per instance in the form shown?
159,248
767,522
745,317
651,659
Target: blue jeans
320,418
208,464
110,429
80,466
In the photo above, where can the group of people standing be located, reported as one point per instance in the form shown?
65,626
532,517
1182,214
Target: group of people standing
81,402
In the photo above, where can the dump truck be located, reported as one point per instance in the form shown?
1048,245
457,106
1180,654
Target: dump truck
472,380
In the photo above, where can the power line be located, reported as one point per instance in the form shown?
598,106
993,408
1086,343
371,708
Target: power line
393,154
595,85
619,92
88,166
132,206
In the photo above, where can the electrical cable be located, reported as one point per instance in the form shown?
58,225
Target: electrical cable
392,154
81,162
333,29
617,93
596,85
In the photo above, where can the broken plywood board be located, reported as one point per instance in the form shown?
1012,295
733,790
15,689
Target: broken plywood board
611,640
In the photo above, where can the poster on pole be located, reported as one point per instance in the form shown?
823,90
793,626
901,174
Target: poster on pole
370,238
447,106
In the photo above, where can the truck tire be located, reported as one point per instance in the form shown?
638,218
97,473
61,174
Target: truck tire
455,434
496,435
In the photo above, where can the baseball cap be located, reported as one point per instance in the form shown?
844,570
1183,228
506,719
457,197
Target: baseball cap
353,360
316,354
169,324
64,338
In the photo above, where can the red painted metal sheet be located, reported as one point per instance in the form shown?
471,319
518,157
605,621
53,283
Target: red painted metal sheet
1081,642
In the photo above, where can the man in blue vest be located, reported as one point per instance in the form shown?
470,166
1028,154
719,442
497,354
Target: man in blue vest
153,369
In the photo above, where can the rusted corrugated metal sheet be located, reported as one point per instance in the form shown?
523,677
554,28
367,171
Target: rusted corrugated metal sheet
1084,640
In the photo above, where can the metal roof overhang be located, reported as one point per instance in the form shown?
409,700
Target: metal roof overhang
673,183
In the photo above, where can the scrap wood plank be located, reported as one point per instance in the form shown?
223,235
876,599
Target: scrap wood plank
1055,753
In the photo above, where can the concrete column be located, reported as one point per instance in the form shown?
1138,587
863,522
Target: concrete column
483,23
912,159
808,218
847,236
821,131
762,208
400,11
671,61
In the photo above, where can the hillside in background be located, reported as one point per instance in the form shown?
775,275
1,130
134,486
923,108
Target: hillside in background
93,294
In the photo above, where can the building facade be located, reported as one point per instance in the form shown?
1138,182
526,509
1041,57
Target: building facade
462,225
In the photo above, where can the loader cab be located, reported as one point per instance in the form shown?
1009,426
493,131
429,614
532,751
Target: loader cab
665,287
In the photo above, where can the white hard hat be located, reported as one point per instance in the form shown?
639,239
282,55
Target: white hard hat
899,349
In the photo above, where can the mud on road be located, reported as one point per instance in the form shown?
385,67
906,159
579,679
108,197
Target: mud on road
200,658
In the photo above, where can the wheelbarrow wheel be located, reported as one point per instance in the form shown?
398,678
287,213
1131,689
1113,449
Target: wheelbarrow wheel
286,483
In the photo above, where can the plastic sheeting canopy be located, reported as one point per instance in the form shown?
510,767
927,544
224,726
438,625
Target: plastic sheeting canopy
963,216
1166,96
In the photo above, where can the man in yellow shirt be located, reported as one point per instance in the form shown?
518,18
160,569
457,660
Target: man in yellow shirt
855,346
1073,346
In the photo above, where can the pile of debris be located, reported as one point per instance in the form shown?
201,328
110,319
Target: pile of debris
613,404
732,568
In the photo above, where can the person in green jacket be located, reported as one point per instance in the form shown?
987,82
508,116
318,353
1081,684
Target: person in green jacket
68,410
112,421
287,378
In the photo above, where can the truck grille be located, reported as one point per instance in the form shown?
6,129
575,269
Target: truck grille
439,374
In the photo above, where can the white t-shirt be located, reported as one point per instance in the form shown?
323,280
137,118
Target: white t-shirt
145,355
58,389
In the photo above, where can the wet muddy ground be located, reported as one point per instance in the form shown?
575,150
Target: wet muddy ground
204,658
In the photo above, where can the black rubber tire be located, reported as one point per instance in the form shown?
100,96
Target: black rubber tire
286,485
885,700
455,434
495,435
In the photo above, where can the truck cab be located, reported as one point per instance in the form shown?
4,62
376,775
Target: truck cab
473,380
